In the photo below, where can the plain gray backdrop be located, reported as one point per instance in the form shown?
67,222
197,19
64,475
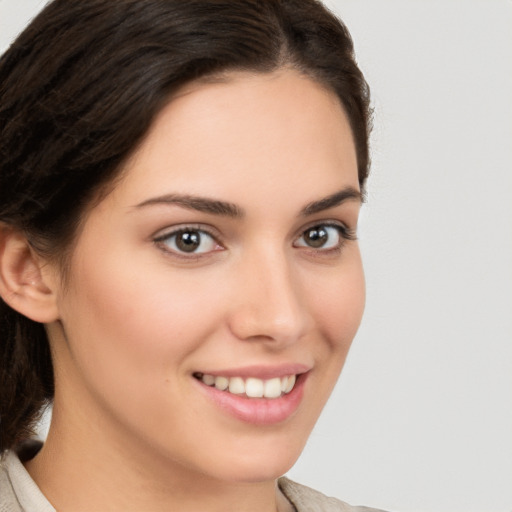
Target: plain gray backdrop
421,419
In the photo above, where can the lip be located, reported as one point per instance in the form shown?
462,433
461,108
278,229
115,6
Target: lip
256,411
260,371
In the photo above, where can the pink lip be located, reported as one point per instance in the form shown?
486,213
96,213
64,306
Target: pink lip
257,411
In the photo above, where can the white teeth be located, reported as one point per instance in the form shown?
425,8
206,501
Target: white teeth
209,380
291,383
221,383
254,388
236,386
272,388
251,387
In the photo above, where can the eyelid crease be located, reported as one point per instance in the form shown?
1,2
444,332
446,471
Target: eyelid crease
174,230
346,231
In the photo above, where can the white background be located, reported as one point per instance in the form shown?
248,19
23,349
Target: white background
422,417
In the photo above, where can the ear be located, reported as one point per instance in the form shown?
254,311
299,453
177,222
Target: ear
25,283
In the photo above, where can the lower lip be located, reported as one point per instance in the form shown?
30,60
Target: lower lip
258,411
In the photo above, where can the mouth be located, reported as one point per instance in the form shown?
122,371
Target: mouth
251,387
255,396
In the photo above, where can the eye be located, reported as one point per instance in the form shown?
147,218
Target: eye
324,237
188,241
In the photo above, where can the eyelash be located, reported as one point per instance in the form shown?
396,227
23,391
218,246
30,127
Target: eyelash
345,233
161,239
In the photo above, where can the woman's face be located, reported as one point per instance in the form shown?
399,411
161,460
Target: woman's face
224,257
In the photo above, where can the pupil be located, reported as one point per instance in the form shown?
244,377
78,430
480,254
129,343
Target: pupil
188,241
316,237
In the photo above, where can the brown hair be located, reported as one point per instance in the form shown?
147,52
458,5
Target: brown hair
79,89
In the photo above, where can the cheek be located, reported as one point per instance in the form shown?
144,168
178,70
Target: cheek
126,315
336,302
130,338
338,306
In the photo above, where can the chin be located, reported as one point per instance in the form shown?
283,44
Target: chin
254,473
262,463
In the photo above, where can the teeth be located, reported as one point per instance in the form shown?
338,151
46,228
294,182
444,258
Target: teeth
209,380
221,383
254,388
291,383
236,386
251,387
272,388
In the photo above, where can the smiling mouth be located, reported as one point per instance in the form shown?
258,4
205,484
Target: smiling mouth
250,387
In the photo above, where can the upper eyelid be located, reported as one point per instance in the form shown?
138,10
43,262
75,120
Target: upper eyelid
170,231
214,232
330,222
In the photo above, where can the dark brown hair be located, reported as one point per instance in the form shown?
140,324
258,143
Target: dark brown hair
79,89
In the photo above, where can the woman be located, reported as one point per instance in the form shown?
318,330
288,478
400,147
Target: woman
180,187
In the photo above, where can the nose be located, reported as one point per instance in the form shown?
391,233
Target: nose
269,305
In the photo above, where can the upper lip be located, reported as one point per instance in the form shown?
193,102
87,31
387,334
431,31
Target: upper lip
260,371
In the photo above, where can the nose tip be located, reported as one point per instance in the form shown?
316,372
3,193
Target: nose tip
270,308
253,325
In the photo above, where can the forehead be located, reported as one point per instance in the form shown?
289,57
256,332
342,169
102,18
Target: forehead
254,132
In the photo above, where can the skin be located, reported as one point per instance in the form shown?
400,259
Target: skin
137,318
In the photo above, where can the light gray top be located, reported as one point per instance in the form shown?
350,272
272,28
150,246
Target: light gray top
19,493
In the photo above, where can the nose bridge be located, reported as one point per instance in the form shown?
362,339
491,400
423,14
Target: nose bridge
269,305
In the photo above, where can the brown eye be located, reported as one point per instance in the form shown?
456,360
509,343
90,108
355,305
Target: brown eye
188,241
321,237
316,237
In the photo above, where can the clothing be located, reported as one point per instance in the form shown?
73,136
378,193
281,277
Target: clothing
19,493
305,499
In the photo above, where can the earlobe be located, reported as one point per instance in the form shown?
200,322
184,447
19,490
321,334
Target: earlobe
23,284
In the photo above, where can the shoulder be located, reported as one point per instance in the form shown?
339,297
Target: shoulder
8,500
18,492
306,499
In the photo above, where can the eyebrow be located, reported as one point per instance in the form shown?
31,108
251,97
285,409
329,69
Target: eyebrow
201,204
227,209
346,194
